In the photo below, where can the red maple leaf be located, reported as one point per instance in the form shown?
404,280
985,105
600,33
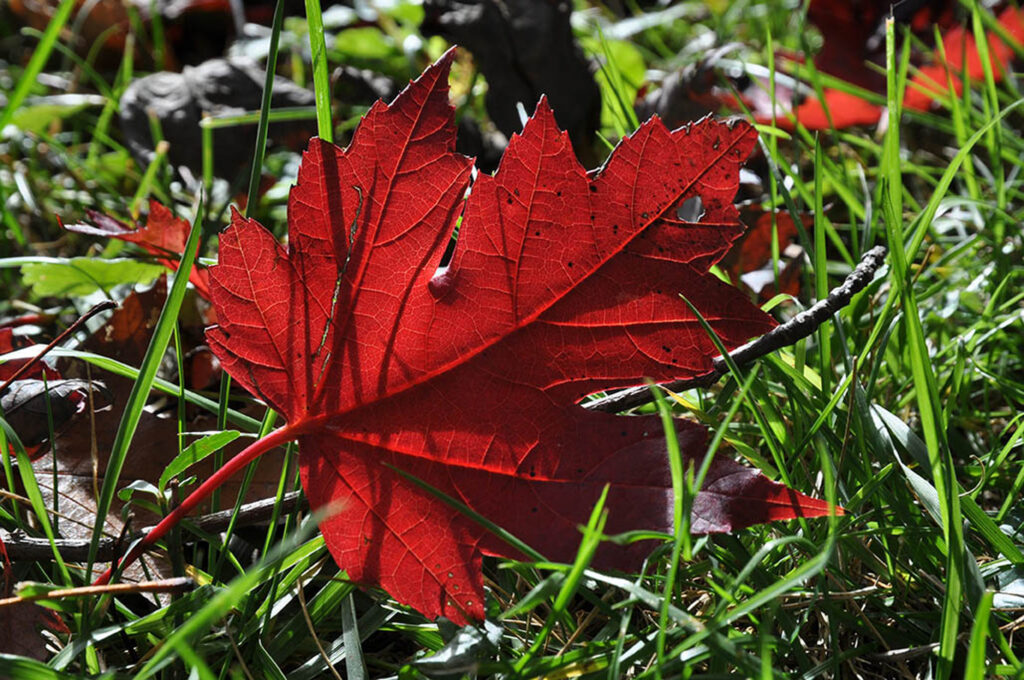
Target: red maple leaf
467,375
163,236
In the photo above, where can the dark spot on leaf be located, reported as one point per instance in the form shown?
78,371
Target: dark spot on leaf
509,200
515,191
593,188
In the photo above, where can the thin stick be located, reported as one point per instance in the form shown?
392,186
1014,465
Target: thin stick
794,330
99,307
166,585
312,628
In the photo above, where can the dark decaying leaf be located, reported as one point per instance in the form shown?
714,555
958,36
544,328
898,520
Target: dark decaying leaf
82,450
215,87
78,459
525,49
468,376
32,406
24,401
21,630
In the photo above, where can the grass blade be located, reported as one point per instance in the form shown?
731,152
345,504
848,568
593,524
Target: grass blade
143,384
321,82
264,124
943,473
35,65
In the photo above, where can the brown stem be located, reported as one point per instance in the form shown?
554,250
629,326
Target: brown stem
167,585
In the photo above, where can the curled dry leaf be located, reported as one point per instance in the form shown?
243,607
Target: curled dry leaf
163,236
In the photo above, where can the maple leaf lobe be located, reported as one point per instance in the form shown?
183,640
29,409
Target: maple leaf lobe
467,377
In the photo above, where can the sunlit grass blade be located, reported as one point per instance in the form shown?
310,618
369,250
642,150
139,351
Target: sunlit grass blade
821,270
680,494
8,438
321,82
220,604
592,535
264,120
140,390
939,456
975,666
39,57
148,178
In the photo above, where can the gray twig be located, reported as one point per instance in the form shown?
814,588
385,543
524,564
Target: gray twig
797,328
23,547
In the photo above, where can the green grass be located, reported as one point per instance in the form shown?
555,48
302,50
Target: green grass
904,408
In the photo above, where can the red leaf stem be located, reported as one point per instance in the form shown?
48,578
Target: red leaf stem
213,482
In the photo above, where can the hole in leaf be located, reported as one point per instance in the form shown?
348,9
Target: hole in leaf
691,210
